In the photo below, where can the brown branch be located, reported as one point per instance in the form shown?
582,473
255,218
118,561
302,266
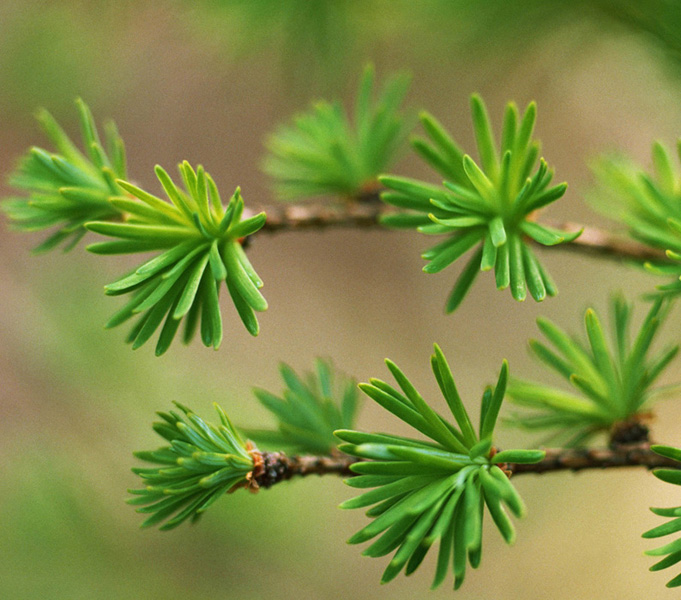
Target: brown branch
603,243
277,466
295,217
367,214
639,455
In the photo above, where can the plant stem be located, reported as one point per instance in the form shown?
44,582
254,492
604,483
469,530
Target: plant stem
278,467
367,214
577,459
600,242
352,214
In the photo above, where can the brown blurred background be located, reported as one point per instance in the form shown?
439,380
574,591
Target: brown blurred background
206,81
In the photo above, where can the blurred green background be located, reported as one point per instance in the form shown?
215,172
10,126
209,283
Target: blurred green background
206,81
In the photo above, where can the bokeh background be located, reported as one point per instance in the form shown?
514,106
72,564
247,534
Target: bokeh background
206,80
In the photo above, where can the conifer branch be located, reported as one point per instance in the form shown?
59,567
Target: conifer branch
604,243
367,213
351,214
278,466
578,459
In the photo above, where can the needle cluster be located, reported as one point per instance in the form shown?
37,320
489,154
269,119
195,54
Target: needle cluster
309,410
611,383
201,244
201,463
321,152
68,188
672,550
647,204
486,207
432,490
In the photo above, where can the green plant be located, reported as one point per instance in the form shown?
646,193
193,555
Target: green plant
202,246
433,488
614,386
309,410
201,463
649,205
68,189
489,206
322,153
201,238
672,550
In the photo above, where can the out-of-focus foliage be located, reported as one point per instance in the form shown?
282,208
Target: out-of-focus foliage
316,32
322,153
68,189
657,20
642,202
322,36
38,45
648,205
309,410
51,52
613,383
521,22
